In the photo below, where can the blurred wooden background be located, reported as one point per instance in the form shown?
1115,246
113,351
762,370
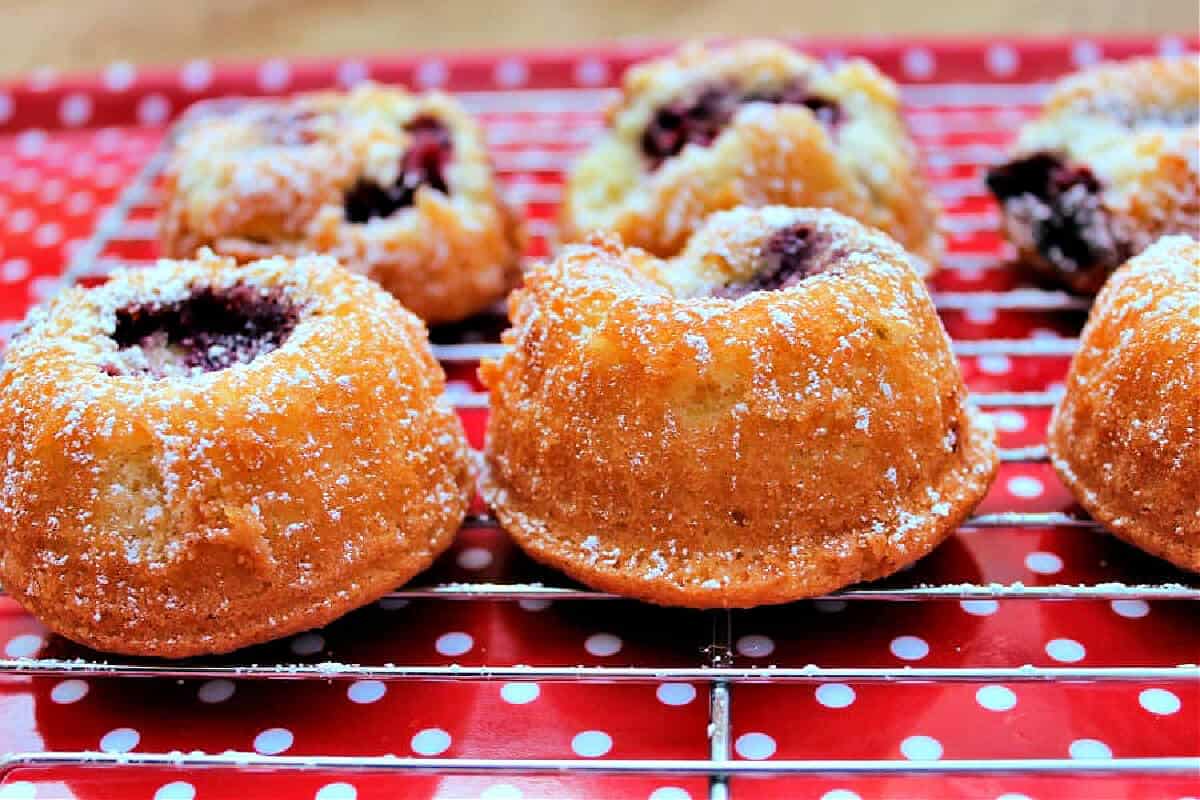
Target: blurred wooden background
85,34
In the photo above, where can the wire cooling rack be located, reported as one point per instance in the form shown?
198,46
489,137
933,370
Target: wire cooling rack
535,133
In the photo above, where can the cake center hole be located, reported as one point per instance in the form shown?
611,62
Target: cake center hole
210,330
701,119
423,164
788,257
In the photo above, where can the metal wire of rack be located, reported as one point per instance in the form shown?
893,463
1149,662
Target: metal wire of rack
931,108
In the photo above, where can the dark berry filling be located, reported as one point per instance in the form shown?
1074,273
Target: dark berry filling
701,119
789,256
423,164
1056,205
210,330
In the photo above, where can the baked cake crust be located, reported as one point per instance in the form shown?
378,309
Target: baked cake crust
313,173
767,125
169,499
1126,435
701,432
1111,164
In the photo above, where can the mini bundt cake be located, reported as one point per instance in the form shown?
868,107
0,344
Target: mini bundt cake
1126,435
199,456
773,414
753,124
397,186
1111,164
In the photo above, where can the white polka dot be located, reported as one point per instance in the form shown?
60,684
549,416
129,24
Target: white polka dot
307,644
1043,563
352,73
534,604
119,76
430,742
43,287
120,740
393,603
520,693
25,645
1171,46
1025,486
979,608
175,790
511,72
47,234
273,741
1089,748
30,143
995,364
669,793
830,606
755,646
840,794
1002,60
921,748
26,179
69,691
1084,53
14,270
835,695
18,790
274,75
1159,701
1009,421
501,791
216,691
591,72
336,791
1066,650
52,190
75,109
432,74
918,63
364,692
21,220
980,315
603,645
755,746
6,106
1131,609
591,744
79,203
454,644
196,75
153,109
474,558
909,648
1013,796
675,694
42,78
996,698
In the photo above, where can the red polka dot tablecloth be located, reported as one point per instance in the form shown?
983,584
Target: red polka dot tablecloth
69,146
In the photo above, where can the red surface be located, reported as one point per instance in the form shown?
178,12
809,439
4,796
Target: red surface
59,171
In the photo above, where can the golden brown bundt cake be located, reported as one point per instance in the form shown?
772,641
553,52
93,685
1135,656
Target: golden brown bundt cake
397,186
752,124
1111,164
773,414
1126,435
200,456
